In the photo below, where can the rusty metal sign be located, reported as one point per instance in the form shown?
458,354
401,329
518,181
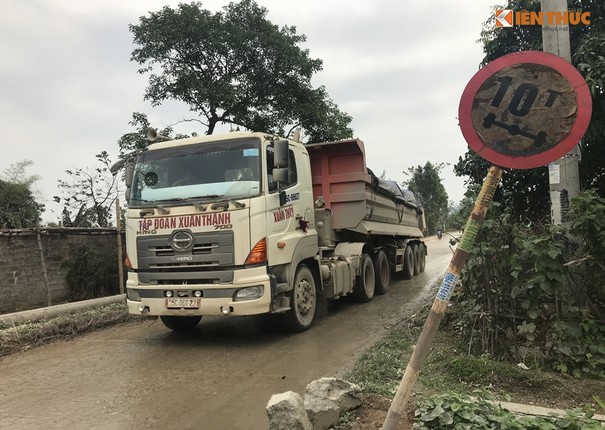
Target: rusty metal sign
525,110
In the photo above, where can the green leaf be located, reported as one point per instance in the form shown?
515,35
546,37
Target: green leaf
446,419
554,253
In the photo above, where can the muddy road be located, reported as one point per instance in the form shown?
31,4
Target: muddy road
220,376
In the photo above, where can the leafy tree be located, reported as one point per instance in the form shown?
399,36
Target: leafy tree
527,191
16,173
458,213
88,195
18,205
235,67
426,183
131,143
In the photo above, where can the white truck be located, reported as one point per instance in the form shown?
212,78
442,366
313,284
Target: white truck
249,223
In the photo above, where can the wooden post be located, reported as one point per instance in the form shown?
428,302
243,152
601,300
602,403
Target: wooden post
437,311
120,253
564,173
43,263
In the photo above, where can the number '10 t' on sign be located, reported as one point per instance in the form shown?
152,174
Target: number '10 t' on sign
525,110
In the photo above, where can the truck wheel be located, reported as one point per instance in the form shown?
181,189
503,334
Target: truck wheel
365,284
180,323
408,263
416,251
303,301
422,252
383,272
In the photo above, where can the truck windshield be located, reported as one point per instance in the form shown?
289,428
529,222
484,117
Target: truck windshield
227,169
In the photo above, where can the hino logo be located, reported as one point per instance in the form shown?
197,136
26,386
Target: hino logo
181,241
183,258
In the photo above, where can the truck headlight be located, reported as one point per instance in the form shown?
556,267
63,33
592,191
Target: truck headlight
250,293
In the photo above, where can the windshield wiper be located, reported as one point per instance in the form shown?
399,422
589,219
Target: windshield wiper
237,204
160,208
189,200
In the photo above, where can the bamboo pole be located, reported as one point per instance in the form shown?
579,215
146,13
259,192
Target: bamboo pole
120,252
437,311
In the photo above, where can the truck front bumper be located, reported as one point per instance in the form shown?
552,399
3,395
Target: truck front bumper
249,294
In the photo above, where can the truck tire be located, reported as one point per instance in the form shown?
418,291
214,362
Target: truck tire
383,272
408,263
422,253
365,284
180,323
416,251
303,301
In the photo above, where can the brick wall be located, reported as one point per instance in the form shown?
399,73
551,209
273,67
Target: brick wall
23,284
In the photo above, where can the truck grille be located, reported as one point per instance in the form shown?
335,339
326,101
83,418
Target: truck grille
160,264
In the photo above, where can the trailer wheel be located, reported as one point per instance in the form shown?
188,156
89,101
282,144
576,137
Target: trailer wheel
422,252
365,284
180,323
383,272
408,263
417,261
303,301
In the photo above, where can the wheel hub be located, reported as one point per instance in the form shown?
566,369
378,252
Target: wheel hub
304,298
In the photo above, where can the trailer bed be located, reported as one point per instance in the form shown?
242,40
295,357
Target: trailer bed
354,196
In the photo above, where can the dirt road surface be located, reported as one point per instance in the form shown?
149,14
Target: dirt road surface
219,377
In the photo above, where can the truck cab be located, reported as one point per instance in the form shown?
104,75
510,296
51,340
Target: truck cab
217,225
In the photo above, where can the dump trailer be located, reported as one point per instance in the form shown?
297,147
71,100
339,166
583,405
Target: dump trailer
249,223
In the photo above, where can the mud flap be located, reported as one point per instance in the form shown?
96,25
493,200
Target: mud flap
321,308
279,301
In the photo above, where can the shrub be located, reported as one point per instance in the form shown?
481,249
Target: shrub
531,294
456,411
92,272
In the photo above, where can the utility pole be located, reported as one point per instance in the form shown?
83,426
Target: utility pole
564,173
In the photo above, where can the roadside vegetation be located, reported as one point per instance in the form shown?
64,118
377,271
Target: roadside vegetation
459,390
525,325
21,337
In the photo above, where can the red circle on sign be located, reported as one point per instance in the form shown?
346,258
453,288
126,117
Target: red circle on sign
579,127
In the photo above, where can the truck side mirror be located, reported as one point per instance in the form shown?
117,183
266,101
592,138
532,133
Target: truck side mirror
116,167
128,174
280,175
280,154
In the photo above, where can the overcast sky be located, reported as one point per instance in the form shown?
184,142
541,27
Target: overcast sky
68,88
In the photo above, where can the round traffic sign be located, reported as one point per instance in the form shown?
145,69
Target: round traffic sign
525,109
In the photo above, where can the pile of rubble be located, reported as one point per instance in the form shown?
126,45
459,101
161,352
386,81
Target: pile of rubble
324,401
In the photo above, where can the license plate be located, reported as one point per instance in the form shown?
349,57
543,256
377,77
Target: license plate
182,303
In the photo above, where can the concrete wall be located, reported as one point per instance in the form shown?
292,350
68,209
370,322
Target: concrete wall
32,271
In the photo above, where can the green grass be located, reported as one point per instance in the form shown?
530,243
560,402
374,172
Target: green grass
448,369
380,368
452,375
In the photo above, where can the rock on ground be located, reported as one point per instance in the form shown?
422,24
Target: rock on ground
286,411
327,398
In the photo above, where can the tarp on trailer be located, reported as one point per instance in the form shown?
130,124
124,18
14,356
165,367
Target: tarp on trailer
392,190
